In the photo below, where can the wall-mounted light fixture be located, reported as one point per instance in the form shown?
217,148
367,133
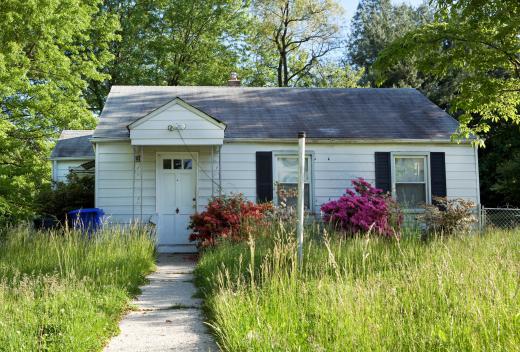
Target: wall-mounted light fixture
177,127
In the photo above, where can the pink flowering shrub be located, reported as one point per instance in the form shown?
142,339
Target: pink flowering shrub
362,209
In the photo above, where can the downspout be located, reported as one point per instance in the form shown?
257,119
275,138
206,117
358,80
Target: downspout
133,186
477,174
212,171
220,170
96,174
141,160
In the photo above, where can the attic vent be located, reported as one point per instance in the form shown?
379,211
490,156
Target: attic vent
233,80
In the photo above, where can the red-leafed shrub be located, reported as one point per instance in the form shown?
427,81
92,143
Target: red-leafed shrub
362,209
226,217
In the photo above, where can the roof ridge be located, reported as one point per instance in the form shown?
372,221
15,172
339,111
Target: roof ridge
262,88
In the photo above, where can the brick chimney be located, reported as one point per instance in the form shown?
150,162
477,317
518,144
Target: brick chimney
233,80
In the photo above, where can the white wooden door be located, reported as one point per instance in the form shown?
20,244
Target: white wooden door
176,196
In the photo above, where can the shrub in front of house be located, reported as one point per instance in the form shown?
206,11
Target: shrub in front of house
448,216
226,216
76,193
364,208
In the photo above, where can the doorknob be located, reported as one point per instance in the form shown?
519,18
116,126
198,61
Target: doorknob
177,211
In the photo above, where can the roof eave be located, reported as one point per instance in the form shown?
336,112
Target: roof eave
91,157
348,140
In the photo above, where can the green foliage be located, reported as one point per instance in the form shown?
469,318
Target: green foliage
376,24
481,40
364,294
448,217
76,193
499,164
46,57
289,38
332,74
64,292
180,42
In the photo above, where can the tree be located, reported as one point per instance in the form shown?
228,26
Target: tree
331,74
179,42
482,40
46,57
499,164
292,36
375,25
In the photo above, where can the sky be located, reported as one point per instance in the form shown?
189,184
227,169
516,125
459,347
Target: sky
350,6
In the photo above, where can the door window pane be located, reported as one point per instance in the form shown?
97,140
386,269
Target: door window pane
187,164
167,164
410,195
177,164
409,169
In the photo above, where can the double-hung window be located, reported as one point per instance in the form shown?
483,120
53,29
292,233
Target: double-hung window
286,180
410,187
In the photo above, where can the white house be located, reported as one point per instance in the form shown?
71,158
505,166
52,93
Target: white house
73,152
162,152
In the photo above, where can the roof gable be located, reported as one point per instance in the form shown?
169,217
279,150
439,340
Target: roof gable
168,106
176,123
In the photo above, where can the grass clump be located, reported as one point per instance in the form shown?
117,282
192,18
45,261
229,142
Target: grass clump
66,292
365,293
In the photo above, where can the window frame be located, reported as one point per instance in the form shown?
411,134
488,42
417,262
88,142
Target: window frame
427,176
309,156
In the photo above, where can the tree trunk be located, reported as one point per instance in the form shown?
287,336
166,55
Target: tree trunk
285,70
280,78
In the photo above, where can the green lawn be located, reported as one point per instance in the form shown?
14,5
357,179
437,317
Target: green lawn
66,292
365,294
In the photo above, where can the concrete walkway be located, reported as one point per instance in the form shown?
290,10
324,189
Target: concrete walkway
167,318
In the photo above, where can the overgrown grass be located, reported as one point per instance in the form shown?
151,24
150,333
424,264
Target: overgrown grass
65,292
365,294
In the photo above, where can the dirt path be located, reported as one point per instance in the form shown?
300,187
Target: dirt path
168,318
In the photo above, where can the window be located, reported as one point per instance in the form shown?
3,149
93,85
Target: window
178,164
286,181
410,180
187,164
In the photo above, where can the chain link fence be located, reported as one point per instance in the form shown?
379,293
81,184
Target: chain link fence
505,218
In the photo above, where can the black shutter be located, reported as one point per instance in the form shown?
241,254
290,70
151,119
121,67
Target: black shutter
438,174
264,177
383,171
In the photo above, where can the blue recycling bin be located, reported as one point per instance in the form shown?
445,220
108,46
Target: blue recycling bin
89,219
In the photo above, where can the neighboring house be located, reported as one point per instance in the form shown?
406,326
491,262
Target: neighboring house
73,153
162,152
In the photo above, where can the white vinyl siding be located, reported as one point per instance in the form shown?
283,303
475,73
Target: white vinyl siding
115,176
333,167
194,128
61,168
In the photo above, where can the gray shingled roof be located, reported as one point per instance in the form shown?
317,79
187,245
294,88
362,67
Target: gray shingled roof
358,113
74,143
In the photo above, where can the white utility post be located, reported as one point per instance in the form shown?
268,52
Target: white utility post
301,196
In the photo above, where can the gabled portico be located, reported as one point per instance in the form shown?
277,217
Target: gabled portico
175,133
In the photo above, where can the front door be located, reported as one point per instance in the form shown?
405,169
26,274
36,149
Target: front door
176,198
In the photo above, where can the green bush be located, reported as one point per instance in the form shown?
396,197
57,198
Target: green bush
448,216
76,193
